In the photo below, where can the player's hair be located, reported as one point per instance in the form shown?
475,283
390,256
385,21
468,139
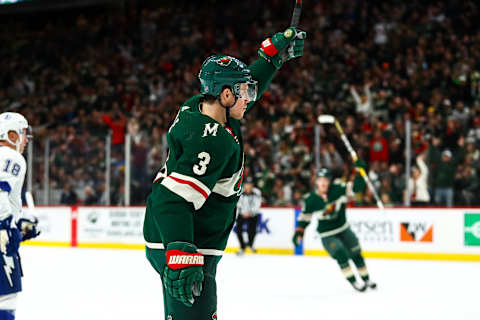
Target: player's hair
208,98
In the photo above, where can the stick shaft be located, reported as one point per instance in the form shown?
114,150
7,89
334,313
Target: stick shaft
362,172
296,13
29,200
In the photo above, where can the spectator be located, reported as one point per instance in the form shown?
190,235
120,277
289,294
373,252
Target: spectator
461,113
379,147
117,123
330,158
398,185
90,196
68,197
444,180
466,186
363,104
417,184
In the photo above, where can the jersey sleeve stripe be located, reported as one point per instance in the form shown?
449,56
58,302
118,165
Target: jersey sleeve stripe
191,184
5,186
188,188
305,217
192,181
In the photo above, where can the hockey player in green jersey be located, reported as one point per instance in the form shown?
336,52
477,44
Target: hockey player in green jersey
329,201
191,209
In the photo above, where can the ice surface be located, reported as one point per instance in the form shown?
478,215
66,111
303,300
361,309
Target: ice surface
70,284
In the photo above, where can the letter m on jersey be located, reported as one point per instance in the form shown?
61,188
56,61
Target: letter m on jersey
210,128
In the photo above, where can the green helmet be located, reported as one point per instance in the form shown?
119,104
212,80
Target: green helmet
324,172
221,71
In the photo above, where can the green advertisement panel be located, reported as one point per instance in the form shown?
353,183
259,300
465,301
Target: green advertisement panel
472,229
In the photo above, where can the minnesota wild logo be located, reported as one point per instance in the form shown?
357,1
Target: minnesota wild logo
329,209
224,62
232,185
238,185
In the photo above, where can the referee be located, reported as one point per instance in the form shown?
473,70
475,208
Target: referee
248,208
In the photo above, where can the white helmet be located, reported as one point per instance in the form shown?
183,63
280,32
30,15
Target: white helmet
12,121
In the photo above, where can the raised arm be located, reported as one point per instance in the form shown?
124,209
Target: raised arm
273,53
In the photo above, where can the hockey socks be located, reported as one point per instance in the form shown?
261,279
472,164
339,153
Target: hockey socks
350,276
363,272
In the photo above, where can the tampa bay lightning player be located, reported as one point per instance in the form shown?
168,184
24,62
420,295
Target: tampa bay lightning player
14,227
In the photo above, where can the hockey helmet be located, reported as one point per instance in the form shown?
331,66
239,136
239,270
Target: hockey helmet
221,71
13,121
324,173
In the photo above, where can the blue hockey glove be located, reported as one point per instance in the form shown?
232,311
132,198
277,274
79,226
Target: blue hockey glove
183,274
9,237
28,228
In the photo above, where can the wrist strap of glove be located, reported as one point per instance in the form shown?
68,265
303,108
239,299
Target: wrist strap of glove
178,259
300,230
268,47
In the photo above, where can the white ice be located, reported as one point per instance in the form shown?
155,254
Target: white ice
70,284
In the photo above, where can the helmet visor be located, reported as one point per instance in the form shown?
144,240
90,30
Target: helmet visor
28,132
246,90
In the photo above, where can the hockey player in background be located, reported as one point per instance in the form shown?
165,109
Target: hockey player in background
191,209
14,227
329,201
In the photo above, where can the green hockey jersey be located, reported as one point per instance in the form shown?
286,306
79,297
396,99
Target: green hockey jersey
330,212
194,195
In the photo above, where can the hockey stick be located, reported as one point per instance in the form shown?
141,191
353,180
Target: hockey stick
296,13
31,207
30,202
329,119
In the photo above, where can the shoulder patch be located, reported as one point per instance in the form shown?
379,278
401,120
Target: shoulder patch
210,129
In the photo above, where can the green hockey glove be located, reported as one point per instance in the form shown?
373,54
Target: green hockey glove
298,236
283,46
183,274
359,171
360,164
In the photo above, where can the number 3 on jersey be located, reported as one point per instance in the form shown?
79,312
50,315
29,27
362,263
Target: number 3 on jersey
201,167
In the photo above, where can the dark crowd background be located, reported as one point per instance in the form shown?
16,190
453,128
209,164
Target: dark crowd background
78,74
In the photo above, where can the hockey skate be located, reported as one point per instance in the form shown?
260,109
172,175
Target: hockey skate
253,250
370,284
358,286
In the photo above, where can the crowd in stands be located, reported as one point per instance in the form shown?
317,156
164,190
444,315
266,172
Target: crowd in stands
78,76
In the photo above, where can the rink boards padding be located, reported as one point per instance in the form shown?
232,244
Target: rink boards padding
401,233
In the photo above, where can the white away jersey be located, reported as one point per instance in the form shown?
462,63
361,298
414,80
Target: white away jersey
12,174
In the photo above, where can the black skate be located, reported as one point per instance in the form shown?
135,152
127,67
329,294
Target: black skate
370,284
